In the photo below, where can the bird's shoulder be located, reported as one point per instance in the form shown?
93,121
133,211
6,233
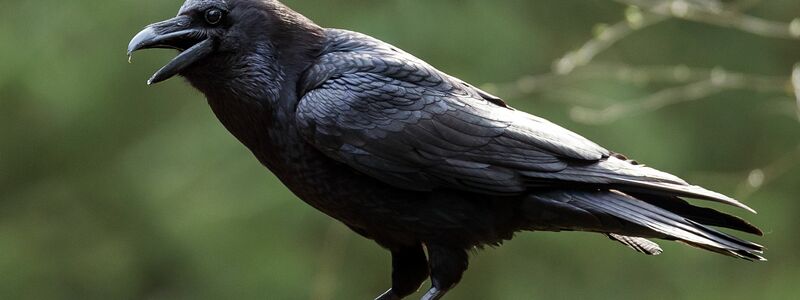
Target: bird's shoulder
348,52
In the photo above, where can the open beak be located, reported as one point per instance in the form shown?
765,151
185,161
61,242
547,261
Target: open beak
174,33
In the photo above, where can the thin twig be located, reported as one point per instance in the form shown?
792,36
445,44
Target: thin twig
606,37
715,81
695,83
723,17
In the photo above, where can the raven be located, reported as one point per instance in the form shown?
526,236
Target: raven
426,165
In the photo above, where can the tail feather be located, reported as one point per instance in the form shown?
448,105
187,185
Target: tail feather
649,180
639,218
702,215
630,177
692,191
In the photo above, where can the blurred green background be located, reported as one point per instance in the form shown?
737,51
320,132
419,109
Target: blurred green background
110,189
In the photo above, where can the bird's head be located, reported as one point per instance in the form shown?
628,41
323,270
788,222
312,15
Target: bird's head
225,37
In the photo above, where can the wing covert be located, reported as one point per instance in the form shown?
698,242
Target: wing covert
394,117
397,119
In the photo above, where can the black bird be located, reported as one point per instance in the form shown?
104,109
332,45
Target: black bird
411,157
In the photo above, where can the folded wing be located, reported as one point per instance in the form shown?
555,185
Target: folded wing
396,118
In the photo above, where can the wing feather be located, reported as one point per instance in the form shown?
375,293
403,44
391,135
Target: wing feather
396,118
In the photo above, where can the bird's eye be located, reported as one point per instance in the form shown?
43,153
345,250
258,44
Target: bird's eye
213,16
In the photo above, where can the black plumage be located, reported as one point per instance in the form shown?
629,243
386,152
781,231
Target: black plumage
411,157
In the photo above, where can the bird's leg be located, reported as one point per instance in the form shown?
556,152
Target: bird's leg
447,265
409,270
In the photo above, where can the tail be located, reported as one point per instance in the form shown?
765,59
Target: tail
631,218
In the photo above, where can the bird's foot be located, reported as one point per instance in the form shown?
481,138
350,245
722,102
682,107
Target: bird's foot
388,295
434,294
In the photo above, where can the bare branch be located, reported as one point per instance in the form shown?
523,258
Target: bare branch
606,36
722,16
714,81
695,84
691,83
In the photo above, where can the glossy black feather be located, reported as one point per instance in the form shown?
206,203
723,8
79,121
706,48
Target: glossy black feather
396,118
409,156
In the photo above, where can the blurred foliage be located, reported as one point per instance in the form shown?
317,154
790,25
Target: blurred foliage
110,189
